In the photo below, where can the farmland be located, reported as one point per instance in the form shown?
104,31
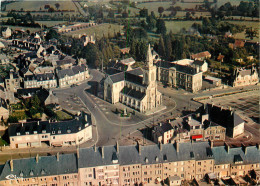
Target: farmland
98,30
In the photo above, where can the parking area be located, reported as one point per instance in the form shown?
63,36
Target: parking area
246,103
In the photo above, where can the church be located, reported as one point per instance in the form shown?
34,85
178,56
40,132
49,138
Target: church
136,88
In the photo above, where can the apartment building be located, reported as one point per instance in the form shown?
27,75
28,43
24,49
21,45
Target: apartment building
180,76
46,80
73,75
61,133
130,165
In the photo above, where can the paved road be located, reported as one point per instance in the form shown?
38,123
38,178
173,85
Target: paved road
110,131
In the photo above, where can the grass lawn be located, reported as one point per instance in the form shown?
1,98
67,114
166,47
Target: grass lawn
176,26
98,30
20,114
63,115
233,2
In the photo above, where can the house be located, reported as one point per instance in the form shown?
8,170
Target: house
201,56
237,44
134,87
162,133
51,99
60,133
226,118
202,65
243,77
4,110
220,58
125,50
7,32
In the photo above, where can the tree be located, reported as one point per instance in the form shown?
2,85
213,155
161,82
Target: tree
188,15
251,33
161,47
52,34
143,12
51,10
12,119
46,7
57,5
160,25
160,10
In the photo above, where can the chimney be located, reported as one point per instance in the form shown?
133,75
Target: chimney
58,156
22,124
226,147
37,158
177,146
95,148
160,146
244,148
211,143
78,152
102,152
117,147
38,123
258,146
12,165
139,148
160,124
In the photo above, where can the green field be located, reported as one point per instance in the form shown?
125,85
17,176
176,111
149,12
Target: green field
25,28
153,6
176,26
36,5
233,2
51,23
98,30
252,24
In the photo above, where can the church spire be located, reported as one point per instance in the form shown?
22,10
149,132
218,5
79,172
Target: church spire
149,57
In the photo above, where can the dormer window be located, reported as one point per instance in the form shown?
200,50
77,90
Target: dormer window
79,128
21,174
146,160
156,159
35,132
43,131
42,172
68,131
87,124
31,173
53,132
27,133
18,133
59,131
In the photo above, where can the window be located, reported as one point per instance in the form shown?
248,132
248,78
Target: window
199,163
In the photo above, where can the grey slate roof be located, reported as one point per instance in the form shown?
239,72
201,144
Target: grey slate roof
198,62
47,165
117,77
221,156
50,127
133,93
71,71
